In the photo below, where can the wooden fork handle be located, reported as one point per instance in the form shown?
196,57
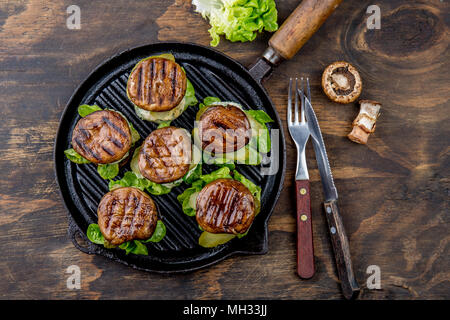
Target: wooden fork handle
305,248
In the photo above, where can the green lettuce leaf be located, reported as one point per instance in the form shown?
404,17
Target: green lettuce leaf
108,171
254,189
186,201
134,134
237,20
189,97
157,189
158,234
211,240
85,109
207,101
167,56
261,135
94,234
129,180
135,247
229,165
164,124
139,248
264,144
260,115
222,173
75,157
193,174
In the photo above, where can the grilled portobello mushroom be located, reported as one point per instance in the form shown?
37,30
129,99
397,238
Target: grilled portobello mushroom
225,206
126,214
102,137
157,84
224,129
166,155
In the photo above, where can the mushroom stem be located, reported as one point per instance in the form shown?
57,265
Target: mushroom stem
365,122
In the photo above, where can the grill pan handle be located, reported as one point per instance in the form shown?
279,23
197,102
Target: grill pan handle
75,233
298,28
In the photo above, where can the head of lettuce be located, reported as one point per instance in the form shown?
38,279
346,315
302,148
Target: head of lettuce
237,20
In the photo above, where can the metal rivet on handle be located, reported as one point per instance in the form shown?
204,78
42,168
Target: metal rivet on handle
303,217
328,209
302,191
333,230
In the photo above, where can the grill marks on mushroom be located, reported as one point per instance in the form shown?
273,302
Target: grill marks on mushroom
166,155
341,82
126,214
225,206
157,84
224,129
102,137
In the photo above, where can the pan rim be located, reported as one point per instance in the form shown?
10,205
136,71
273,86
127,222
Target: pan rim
282,153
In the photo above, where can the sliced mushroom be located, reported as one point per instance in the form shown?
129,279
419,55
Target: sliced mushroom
365,122
341,82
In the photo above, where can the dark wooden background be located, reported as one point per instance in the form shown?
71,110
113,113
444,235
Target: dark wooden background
394,192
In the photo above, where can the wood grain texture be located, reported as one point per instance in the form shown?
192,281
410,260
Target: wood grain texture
394,192
305,244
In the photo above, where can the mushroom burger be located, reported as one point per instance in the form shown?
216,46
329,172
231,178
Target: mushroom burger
224,203
228,133
159,89
163,161
102,137
127,218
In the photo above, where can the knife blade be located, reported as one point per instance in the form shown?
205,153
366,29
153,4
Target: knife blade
323,164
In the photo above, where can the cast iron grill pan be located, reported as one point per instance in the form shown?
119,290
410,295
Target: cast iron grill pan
212,74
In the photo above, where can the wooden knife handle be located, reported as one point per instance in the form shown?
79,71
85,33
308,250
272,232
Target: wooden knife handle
341,250
301,25
305,248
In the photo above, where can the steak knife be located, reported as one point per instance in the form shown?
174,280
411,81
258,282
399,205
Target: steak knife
336,229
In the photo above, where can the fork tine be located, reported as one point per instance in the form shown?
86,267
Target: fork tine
302,97
296,102
289,106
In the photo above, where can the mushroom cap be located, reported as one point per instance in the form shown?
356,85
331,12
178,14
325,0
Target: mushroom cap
103,136
166,155
157,84
225,206
341,82
126,214
224,129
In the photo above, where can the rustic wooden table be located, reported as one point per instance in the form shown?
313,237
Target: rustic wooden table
394,192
